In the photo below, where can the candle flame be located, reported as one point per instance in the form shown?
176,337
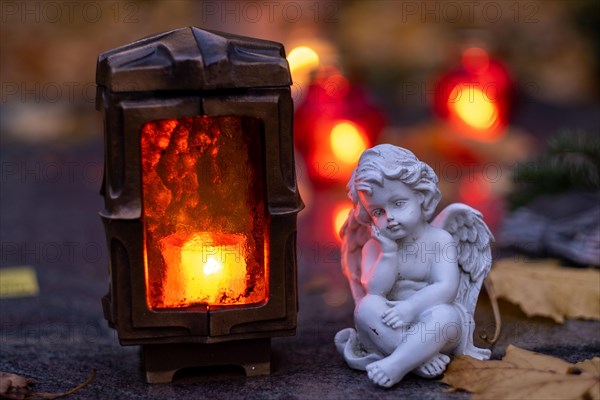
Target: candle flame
212,266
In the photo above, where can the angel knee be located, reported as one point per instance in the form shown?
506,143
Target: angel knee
441,324
442,314
370,307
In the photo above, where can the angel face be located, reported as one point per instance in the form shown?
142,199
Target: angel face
394,208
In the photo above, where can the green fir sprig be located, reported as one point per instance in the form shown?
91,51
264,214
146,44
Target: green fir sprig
570,162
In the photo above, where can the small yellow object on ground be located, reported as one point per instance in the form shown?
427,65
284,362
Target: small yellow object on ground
18,282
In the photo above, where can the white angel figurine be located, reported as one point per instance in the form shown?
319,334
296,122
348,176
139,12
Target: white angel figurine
415,283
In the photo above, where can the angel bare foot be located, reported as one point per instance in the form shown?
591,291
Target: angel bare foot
385,372
434,367
476,352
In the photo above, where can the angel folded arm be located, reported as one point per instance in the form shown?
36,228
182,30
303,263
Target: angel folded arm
379,274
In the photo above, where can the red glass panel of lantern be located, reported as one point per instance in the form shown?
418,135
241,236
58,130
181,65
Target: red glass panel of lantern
204,217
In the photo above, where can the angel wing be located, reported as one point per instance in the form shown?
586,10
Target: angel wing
474,239
354,235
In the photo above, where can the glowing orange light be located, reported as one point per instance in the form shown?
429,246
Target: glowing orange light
347,142
340,215
473,107
206,272
475,99
302,59
212,266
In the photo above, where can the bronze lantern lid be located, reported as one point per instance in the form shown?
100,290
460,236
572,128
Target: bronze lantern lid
208,59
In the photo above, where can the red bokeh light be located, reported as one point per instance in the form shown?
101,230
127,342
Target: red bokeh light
334,124
475,98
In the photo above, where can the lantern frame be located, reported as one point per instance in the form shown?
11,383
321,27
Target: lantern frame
185,73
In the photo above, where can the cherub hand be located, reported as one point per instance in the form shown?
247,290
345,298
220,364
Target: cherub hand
400,313
387,245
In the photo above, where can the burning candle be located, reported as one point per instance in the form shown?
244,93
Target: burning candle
206,269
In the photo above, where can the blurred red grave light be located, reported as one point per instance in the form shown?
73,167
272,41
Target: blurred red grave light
475,99
333,126
339,216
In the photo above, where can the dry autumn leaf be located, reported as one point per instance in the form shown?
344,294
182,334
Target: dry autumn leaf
17,387
523,374
13,386
543,288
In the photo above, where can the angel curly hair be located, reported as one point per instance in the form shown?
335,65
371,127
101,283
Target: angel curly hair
394,163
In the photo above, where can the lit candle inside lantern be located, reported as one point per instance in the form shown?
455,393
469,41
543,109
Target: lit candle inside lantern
199,252
204,269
